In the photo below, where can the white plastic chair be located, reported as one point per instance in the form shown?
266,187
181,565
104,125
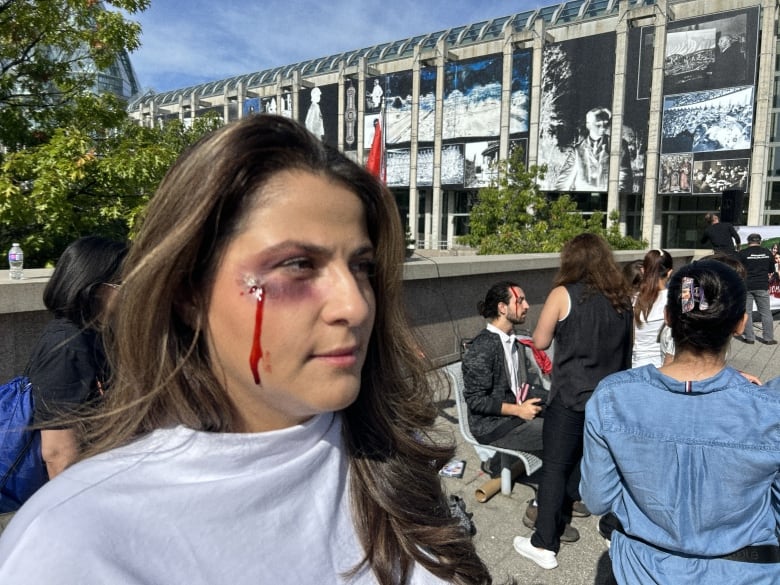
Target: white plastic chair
531,462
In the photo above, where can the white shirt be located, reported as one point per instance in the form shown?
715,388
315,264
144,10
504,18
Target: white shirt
647,347
511,358
193,508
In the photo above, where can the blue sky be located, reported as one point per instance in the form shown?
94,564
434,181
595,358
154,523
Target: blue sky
192,42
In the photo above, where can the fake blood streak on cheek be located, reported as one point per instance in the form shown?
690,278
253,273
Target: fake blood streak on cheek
261,293
257,349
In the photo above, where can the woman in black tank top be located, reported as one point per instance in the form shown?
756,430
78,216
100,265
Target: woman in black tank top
588,315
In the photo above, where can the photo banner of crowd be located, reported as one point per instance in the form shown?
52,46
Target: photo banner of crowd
709,84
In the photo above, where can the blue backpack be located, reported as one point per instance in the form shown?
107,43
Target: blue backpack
22,470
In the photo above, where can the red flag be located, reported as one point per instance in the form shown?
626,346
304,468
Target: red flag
376,156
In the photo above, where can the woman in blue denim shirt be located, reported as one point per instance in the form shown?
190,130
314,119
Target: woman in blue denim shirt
687,457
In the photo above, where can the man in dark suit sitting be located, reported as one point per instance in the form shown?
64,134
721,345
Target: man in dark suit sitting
500,376
497,375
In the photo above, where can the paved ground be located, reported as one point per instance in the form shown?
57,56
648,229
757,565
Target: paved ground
498,520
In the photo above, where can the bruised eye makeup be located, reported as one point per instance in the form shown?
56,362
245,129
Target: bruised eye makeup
290,280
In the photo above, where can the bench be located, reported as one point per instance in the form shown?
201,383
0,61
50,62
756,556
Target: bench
531,462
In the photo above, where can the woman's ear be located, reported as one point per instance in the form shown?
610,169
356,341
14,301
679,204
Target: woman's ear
740,328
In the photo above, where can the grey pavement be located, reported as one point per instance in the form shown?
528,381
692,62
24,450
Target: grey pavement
499,520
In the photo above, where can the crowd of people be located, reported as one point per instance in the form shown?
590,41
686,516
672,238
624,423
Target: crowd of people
639,381
194,386
675,173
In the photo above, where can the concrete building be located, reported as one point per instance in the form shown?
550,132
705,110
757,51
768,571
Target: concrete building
662,110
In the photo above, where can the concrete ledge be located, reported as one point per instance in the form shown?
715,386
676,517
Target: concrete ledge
17,296
440,296
421,266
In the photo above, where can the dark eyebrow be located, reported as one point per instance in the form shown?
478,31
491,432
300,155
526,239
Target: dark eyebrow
313,249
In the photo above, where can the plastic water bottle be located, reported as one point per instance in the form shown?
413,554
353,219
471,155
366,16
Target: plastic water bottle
16,261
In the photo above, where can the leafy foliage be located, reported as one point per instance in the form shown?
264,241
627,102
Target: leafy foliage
513,216
72,162
85,179
50,53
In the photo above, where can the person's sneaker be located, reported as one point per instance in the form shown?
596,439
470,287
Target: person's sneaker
579,510
744,339
570,534
542,557
768,341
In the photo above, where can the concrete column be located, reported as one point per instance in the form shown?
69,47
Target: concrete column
414,197
361,109
153,113
241,96
616,126
436,189
225,105
762,115
536,92
342,106
651,217
506,99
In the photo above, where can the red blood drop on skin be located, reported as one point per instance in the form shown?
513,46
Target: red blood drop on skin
257,350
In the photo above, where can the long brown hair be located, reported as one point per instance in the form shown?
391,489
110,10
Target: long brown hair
164,372
587,258
656,266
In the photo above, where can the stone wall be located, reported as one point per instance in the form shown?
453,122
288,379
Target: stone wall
440,292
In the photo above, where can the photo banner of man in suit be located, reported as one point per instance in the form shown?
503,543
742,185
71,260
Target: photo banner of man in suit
711,52
576,117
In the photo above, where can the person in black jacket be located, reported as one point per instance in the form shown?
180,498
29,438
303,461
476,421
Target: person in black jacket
760,265
500,412
721,236
68,367
502,382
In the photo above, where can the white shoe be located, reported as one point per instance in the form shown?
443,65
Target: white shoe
542,557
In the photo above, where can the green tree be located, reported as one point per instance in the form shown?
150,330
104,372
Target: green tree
50,53
513,216
86,179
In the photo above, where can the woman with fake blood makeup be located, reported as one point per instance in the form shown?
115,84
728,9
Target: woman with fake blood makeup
270,417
